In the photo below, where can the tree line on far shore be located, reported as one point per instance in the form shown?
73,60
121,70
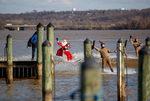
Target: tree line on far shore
81,20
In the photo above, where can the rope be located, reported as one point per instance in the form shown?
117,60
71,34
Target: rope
130,51
126,67
54,79
126,70
126,74
124,53
54,84
120,50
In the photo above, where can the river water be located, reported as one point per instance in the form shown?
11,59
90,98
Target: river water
67,74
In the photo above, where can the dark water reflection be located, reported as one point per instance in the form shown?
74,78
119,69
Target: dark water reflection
21,89
65,84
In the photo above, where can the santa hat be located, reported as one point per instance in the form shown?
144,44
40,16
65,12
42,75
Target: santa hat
64,39
64,42
135,37
101,43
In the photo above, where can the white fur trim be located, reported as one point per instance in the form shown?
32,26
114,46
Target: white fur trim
64,43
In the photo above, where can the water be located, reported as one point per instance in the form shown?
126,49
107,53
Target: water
67,73
75,38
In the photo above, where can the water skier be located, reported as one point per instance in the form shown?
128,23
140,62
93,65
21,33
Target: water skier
64,49
136,44
104,55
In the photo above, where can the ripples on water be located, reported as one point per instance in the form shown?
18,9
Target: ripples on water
67,76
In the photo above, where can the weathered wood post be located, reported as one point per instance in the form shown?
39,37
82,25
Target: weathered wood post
50,38
9,61
40,30
144,72
91,80
47,74
87,49
120,71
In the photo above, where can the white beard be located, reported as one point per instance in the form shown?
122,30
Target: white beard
64,43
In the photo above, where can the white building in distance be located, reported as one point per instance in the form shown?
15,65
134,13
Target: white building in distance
121,9
73,9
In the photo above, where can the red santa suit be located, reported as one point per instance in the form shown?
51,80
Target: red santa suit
64,49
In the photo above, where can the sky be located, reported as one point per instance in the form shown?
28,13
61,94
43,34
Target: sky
23,6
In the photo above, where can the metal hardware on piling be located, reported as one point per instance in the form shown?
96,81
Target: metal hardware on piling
144,72
9,61
120,71
50,38
87,49
40,30
46,75
90,80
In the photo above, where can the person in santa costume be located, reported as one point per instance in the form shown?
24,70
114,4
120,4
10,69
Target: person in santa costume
64,49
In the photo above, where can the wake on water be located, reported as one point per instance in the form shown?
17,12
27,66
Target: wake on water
74,66
63,65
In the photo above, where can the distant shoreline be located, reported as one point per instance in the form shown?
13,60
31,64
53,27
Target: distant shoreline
80,20
70,28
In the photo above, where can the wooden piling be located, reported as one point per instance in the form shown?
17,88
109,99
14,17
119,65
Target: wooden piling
91,80
144,72
50,38
9,61
46,75
40,30
120,71
87,49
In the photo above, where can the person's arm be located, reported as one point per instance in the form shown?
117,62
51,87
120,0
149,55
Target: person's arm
35,39
109,51
60,44
96,48
131,39
140,44
68,45
32,39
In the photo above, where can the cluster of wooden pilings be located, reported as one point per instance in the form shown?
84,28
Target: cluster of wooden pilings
91,87
42,68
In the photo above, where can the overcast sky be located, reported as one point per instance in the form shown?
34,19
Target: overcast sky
22,6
